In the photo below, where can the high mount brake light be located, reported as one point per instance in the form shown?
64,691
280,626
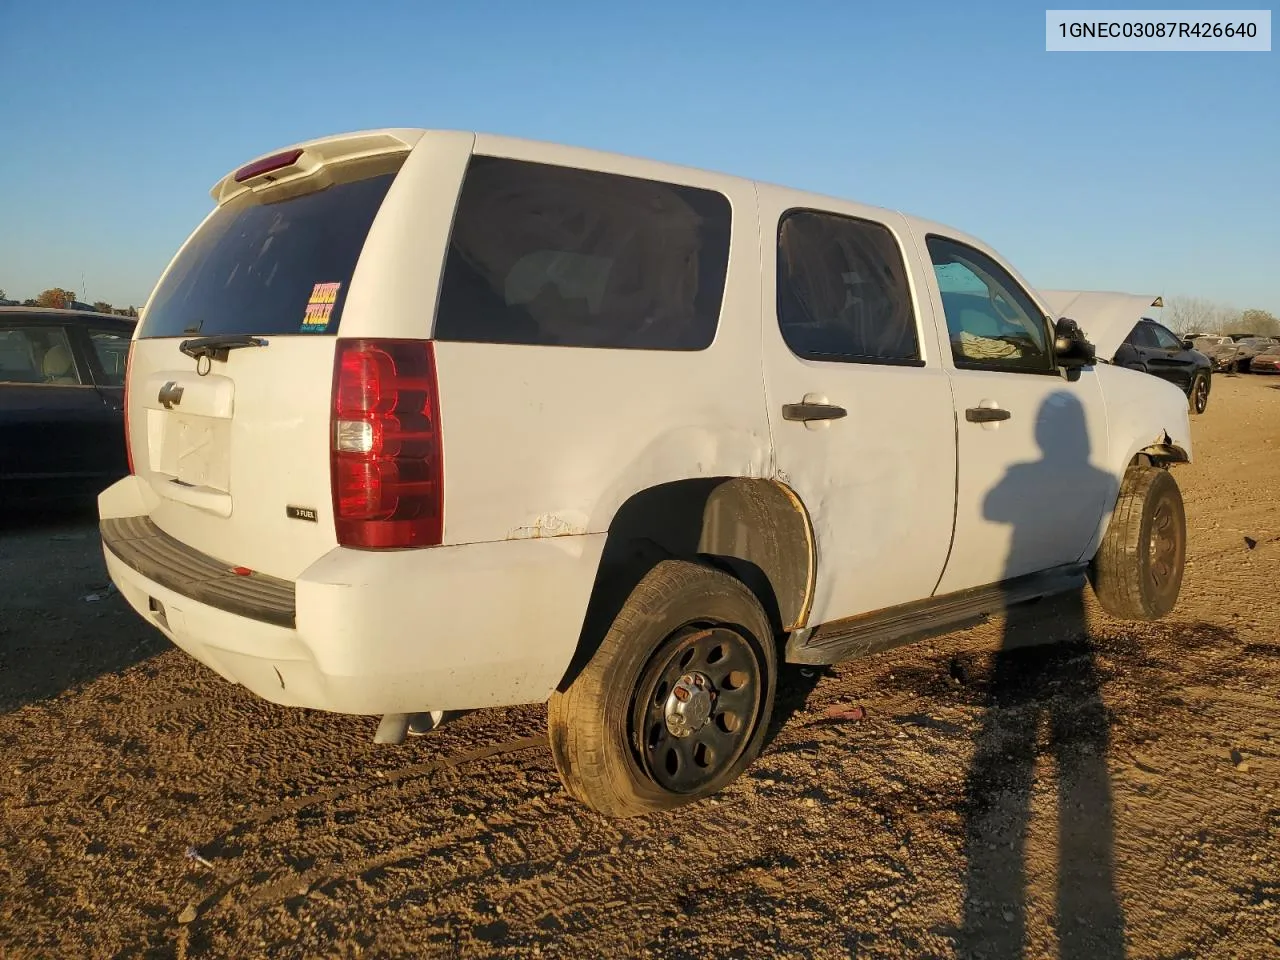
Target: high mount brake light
277,161
386,463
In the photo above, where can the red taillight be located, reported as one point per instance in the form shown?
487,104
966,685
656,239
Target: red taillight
128,443
277,161
387,455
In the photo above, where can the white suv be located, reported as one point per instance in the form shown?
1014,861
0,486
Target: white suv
434,421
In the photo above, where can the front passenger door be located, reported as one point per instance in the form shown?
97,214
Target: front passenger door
1030,487
1170,360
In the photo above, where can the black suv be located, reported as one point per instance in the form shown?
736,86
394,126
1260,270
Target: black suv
1157,350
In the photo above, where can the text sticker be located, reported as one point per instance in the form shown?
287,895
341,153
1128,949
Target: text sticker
320,307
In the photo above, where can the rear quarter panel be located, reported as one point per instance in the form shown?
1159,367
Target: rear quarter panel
548,441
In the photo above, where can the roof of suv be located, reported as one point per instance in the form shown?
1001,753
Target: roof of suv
54,313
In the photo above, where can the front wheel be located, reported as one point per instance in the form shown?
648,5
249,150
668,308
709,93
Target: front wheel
1198,398
1137,571
676,701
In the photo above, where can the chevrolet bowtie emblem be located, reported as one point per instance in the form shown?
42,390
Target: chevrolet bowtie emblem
170,395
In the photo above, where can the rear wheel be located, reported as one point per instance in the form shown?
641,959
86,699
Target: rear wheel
1198,398
676,701
1137,572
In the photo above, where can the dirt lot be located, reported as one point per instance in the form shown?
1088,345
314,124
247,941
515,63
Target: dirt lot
1116,793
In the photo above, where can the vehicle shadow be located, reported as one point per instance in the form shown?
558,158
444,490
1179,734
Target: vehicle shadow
60,623
1043,703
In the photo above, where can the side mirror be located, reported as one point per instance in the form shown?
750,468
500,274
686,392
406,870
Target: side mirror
1188,343
1071,349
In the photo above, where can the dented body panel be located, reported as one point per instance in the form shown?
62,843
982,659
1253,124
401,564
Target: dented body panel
564,466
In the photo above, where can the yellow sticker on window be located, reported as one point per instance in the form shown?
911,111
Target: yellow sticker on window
320,307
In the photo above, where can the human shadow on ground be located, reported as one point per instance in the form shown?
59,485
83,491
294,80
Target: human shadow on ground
1043,703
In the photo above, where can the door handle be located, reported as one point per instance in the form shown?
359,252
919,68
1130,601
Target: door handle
986,414
805,412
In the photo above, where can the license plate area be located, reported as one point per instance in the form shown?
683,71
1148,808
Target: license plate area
194,450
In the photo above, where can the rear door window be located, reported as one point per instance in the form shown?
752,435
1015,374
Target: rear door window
560,256
842,290
111,347
273,262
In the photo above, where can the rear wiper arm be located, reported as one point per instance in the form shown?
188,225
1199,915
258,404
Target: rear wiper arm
217,348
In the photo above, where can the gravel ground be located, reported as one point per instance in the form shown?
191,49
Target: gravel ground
1115,793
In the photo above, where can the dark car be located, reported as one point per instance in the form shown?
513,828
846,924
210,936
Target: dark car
61,410
1157,350
1248,347
1268,361
1221,351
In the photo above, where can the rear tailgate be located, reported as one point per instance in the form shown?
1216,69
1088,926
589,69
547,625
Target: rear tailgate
235,440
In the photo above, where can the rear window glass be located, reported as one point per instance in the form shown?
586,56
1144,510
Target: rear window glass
553,255
275,262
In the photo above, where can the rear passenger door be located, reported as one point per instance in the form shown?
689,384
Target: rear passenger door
106,351
859,405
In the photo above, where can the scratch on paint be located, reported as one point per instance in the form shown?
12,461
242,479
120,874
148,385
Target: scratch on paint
546,525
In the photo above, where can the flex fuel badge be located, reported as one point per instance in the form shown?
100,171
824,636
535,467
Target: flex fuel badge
320,307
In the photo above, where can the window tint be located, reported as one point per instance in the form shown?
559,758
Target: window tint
36,355
1141,336
553,255
991,321
1164,338
275,262
112,348
842,290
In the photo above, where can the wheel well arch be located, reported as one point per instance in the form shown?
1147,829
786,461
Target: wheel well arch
756,530
1163,454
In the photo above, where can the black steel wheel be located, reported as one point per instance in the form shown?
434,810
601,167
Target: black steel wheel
696,706
675,701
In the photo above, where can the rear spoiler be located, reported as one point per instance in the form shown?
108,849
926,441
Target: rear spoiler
303,160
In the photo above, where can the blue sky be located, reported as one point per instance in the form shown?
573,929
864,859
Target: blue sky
1141,172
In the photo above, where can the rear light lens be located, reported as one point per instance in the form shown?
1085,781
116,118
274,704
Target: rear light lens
124,401
277,161
387,455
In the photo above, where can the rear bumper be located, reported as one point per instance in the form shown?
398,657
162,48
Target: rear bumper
444,628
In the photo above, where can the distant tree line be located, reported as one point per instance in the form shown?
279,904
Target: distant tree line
62,299
1191,315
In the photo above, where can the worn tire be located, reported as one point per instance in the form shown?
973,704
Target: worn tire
590,724
1198,396
1137,571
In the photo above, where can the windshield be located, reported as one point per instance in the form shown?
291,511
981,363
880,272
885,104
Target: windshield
274,262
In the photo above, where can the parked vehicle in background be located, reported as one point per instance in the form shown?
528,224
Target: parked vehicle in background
62,378
1148,346
432,421
1268,361
1249,347
1221,351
